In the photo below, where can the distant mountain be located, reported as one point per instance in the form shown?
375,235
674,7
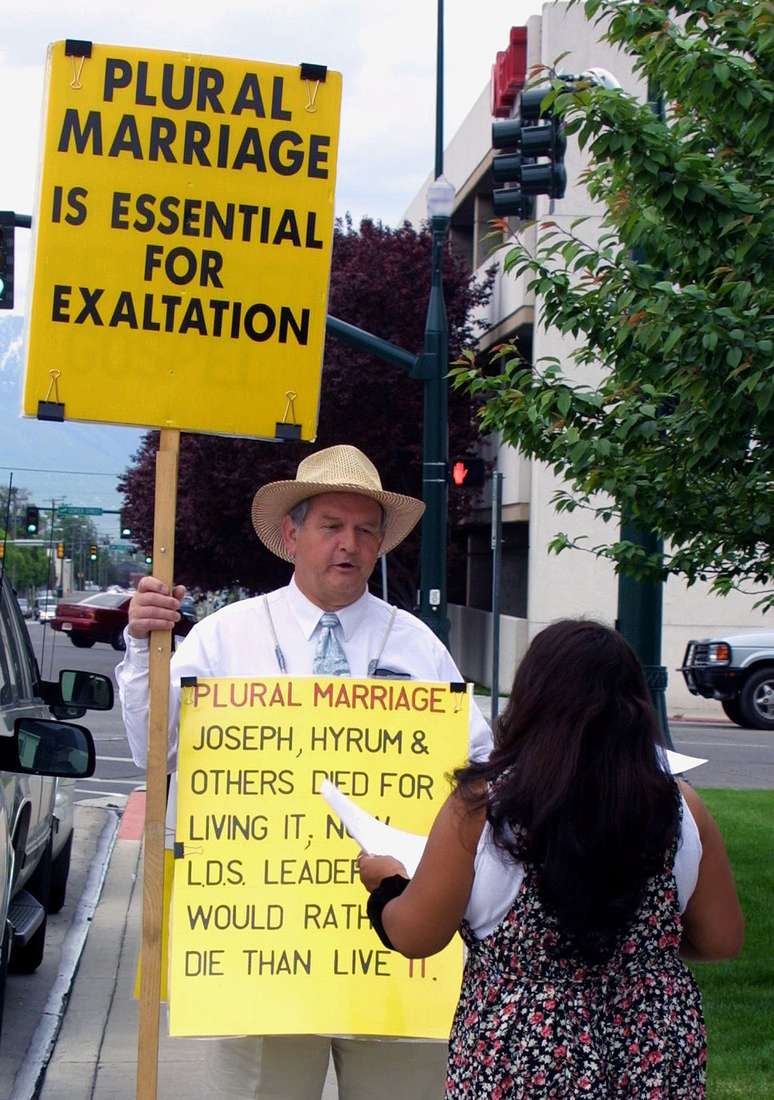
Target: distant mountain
72,463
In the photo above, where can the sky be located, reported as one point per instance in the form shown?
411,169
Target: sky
386,52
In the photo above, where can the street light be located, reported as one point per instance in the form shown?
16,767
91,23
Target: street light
435,440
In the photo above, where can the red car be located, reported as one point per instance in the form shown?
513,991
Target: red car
102,618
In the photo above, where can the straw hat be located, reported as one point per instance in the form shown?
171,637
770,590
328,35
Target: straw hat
341,469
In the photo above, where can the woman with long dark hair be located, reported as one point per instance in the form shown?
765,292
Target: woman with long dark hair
578,872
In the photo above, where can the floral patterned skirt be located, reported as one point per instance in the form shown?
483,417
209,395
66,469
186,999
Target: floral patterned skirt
536,1023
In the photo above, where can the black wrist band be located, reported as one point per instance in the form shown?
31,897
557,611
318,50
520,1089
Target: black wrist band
388,888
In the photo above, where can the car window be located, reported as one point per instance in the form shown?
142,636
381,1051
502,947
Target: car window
6,684
25,668
12,681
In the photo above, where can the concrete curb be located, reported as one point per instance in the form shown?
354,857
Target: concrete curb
696,720
30,1075
73,1069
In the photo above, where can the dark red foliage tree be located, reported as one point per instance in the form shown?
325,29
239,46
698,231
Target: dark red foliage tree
380,281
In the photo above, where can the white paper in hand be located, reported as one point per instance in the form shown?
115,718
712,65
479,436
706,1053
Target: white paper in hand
679,762
379,839
374,836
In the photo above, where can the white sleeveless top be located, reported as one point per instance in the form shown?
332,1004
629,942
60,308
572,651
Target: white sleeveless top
498,877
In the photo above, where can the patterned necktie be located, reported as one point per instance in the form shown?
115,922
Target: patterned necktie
329,658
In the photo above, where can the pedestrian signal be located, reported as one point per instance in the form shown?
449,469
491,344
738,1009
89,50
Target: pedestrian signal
468,473
31,518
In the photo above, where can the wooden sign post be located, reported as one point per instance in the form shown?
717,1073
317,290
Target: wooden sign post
156,782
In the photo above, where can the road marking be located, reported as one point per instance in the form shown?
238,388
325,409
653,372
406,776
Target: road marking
92,792
120,759
110,779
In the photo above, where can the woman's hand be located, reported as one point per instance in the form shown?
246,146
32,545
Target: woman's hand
374,868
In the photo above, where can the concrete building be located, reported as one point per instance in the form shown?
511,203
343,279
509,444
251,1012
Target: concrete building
538,587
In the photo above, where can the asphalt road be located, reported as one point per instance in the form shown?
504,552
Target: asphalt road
736,757
739,758
116,773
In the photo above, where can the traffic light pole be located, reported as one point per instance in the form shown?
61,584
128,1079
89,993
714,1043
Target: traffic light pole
366,341
435,449
434,368
430,368
497,544
640,603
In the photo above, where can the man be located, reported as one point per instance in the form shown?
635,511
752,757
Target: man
332,522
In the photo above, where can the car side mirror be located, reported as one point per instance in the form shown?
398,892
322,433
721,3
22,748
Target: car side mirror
42,746
89,690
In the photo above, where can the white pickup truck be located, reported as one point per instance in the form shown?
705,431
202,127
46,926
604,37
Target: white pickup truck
738,670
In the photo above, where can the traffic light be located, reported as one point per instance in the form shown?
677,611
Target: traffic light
60,550
126,527
6,259
31,518
148,559
93,552
468,473
534,159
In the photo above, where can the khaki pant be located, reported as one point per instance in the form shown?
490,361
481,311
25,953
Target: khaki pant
294,1067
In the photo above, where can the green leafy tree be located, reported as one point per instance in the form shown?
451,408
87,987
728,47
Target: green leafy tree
27,567
673,300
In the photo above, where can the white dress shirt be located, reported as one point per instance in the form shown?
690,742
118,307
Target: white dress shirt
237,641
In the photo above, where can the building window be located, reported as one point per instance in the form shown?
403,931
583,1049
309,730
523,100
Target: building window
514,569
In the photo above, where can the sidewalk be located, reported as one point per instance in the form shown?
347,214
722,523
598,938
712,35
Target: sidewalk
697,717
95,1056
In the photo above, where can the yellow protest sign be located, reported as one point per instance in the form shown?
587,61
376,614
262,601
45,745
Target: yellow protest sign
183,234
269,927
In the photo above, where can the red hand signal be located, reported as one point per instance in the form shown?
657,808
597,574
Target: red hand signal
459,473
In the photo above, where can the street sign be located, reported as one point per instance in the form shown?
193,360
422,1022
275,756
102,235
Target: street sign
184,226
74,510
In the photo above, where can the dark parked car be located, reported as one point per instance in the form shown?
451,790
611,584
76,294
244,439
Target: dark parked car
102,618
39,757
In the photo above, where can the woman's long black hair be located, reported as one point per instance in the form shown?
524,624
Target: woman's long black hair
577,765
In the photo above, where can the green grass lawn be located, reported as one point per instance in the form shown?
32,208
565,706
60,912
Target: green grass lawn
739,995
